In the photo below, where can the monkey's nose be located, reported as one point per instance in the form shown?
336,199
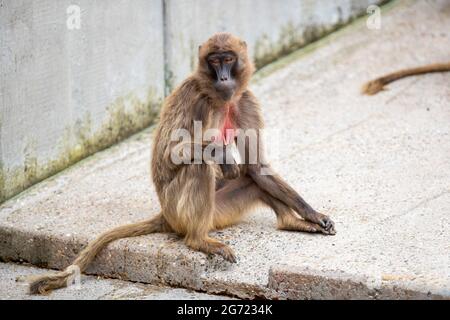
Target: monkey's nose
224,78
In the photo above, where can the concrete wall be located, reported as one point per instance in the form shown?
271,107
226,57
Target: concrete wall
68,92
270,28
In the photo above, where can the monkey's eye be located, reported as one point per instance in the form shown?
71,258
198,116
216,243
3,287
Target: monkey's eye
228,60
214,61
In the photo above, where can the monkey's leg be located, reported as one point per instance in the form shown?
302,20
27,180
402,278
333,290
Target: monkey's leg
234,199
288,220
280,190
189,209
239,196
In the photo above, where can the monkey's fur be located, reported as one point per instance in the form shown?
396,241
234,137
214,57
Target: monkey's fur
198,198
377,85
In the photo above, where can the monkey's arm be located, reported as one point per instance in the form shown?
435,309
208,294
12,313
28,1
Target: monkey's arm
375,86
265,177
201,152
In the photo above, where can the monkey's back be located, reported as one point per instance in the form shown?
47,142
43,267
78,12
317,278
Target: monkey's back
176,113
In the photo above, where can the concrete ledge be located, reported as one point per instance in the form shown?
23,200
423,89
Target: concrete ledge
293,282
93,288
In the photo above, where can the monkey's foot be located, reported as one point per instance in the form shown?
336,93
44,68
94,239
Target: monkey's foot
212,246
323,221
297,224
216,247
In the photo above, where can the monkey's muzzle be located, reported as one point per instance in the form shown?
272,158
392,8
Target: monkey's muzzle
225,85
225,89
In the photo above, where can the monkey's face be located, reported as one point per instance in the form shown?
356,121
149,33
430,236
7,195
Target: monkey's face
222,67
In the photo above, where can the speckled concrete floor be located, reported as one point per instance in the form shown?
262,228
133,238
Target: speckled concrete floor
93,288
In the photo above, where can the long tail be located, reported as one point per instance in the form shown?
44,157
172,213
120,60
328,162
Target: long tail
44,284
375,86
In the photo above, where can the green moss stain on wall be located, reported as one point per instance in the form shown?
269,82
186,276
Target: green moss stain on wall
313,38
168,80
292,38
2,183
126,116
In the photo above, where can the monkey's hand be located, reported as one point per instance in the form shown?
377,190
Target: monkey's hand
230,171
230,168
326,224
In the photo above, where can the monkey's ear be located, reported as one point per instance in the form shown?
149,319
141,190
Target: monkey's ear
243,44
199,47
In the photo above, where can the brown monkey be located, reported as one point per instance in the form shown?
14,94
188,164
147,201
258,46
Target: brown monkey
375,86
198,198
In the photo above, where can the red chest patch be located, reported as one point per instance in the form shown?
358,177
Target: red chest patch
228,127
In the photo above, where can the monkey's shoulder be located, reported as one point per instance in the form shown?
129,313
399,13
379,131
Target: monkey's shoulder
248,96
189,88
250,115
184,100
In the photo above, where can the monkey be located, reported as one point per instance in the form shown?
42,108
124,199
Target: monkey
377,85
206,195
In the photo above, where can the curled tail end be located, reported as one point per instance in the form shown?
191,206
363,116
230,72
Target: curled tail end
46,283
372,87
377,85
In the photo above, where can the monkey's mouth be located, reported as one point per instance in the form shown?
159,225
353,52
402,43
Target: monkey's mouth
224,83
225,89
225,94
